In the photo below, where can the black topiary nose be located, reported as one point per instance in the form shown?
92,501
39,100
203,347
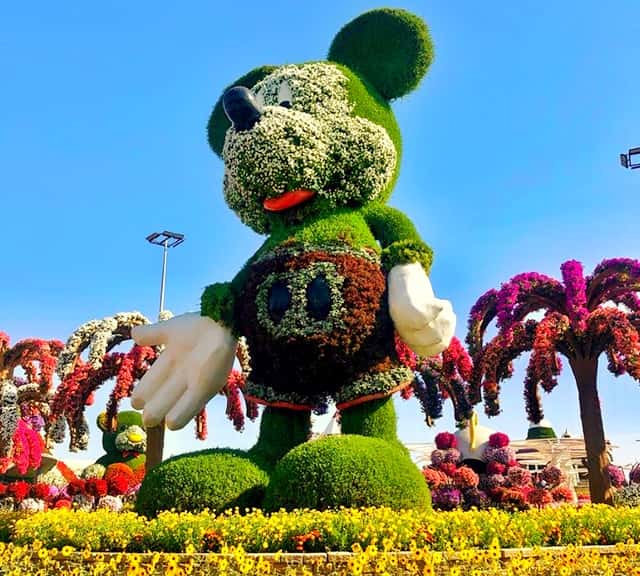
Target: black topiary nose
241,107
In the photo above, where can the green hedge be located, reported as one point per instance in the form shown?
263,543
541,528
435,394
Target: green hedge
215,479
347,470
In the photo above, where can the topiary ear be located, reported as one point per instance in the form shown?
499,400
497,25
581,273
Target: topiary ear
101,421
389,47
218,121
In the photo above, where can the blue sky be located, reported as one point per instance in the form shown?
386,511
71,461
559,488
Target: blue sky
510,159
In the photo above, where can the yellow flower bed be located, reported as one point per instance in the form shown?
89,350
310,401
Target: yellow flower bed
314,531
622,560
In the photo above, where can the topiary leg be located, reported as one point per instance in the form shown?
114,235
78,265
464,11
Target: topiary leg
281,430
376,418
221,478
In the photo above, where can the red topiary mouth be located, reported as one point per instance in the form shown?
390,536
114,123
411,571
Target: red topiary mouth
287,200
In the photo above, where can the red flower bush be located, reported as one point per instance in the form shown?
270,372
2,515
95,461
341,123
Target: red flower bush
498,440
519,476
19,490
539,497
62,503
448,468
96,487
494,467
562,494
465,477
552,475
446,440
41,491
512,498
434,477
76,486
3,487
119,478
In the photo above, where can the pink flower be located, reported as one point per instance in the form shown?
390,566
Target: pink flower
494,467
445,440
552,475
498,440
448,468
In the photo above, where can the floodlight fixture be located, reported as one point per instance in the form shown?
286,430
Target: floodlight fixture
631,159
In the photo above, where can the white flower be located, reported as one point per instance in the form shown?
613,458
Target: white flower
316,143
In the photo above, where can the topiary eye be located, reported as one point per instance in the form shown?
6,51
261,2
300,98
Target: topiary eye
285,96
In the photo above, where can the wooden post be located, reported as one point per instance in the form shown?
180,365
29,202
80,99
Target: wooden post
585,371
155,445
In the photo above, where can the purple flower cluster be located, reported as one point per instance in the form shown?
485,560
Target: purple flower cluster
494,481
449,456
634,474
505,455
616,476
519,476
446,498
575,288
552,475
474,498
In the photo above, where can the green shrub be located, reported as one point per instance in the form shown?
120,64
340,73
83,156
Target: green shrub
215,479
7,522
346,470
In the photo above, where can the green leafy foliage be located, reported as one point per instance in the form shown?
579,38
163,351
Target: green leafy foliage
347,470
217,303
407,252
215,479
391,48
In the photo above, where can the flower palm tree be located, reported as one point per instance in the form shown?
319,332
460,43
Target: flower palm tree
24,402
584,317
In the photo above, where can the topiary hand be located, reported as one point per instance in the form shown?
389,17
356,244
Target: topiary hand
423,321
193,368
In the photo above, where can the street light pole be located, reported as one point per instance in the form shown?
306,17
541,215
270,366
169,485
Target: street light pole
155,435
165,249
167,240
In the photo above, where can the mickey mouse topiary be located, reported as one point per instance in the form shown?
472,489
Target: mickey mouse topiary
312,153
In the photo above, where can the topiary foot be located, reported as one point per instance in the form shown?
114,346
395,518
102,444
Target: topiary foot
348,470
216,479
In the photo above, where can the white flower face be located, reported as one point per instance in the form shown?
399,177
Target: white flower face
306,138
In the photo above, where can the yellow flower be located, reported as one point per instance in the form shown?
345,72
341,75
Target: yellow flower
67,551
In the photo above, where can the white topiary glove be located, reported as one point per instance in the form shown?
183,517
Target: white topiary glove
424,322
193,368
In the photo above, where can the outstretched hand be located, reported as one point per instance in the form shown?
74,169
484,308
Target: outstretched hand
424,322
193,368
